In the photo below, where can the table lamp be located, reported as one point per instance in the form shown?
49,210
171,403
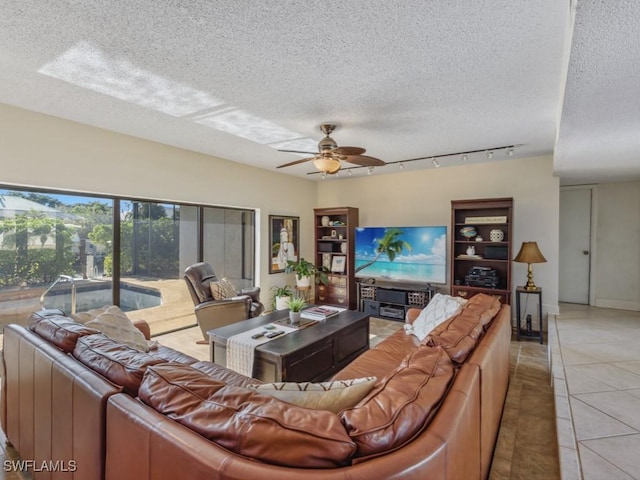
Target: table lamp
529,253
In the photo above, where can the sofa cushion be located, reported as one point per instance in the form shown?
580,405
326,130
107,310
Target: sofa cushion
118,363
169,354
402,404
334,396
399,344
60,330
486,306
440,308
372,363
114,323
224,375
246,422
460,334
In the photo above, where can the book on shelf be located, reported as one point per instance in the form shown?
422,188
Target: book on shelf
485,220
320,312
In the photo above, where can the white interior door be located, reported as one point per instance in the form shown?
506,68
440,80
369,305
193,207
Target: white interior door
575,245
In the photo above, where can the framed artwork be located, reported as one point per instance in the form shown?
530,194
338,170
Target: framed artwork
338,264
326,261
284,241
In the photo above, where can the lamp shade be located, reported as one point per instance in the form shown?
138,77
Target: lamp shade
529,253
327,164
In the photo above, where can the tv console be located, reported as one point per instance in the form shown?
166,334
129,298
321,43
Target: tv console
391,301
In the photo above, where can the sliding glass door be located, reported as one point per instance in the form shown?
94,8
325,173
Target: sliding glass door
134,259
47,238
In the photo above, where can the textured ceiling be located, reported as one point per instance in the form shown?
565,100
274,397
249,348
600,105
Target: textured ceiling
404,79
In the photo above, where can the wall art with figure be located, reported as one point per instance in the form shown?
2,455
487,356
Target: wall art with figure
284,241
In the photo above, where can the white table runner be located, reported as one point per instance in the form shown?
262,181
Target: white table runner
241,348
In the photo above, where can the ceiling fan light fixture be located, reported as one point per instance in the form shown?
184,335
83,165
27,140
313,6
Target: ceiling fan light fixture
327,164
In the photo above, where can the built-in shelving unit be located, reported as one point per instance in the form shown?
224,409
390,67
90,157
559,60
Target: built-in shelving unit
335,251
481,262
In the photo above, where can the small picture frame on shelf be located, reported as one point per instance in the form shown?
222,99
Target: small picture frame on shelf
326,261
334,234
338,264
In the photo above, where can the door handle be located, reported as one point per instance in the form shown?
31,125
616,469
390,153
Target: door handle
585,252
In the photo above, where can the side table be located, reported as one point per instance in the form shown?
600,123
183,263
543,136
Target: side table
526,331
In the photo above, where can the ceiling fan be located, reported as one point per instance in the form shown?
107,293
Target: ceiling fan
330,156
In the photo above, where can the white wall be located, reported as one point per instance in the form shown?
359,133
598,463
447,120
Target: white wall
47,152
616,279
424,198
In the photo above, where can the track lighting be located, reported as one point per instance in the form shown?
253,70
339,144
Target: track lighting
509,151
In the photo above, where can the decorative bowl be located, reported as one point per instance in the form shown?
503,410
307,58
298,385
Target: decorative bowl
468,231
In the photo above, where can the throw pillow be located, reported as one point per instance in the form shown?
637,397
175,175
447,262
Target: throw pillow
84,317
332,396
222,289
440,308
115,324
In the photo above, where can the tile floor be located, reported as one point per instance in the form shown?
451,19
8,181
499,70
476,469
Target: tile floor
595,356
527,447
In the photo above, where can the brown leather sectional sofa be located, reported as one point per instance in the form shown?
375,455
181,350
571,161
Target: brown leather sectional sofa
433,413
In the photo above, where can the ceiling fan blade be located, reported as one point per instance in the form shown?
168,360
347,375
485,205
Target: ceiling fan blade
296,162
298,151
349,150
365,160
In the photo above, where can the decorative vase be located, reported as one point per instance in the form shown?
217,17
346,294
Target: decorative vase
496,235
325,221
343,248
471,250
294,318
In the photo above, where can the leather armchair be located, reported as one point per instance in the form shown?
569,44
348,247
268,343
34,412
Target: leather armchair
212,313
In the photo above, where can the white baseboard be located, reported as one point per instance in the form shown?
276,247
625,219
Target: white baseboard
617,304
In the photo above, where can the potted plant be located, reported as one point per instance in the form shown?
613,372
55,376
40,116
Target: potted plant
296,304
304,270
281,297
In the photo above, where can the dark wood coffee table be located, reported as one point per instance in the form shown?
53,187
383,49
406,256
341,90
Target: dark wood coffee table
313,353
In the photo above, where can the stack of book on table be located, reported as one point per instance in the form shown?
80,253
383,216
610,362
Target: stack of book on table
320,312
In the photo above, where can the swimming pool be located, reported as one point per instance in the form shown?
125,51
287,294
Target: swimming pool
97,294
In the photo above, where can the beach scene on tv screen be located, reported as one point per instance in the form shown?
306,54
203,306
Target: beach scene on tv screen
406,254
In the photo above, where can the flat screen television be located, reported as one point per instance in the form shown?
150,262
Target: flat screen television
402,254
